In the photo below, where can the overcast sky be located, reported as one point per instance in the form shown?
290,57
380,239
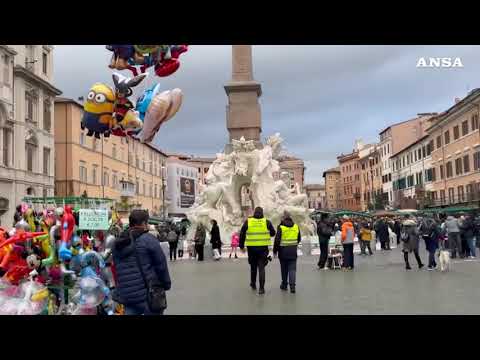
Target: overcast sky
320,98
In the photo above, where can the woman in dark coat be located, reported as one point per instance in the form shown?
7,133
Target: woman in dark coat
383,234
215,237
430,233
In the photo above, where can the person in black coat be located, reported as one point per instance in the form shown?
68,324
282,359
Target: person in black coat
215,237
467,229
397,228
287,253
137,241
324,232
382,233
257,255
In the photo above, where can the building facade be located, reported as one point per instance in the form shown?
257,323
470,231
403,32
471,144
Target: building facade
412,175
350,183
26,125
316,196
203,165
370,178
332,188
456,154
104,168
295,168
395,138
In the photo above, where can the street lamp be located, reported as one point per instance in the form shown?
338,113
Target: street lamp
163,190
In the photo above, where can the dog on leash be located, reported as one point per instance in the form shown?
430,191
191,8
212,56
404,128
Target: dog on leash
444,259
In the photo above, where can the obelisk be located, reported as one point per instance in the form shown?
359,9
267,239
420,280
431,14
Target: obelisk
243,109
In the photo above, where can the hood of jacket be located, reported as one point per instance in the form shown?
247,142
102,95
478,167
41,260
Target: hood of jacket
409,222
258,214
123,244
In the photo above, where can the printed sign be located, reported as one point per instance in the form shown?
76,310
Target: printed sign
187,192
93,219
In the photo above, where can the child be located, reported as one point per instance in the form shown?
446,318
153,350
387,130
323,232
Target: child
234,244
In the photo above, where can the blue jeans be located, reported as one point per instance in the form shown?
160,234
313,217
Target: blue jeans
138,309
471,245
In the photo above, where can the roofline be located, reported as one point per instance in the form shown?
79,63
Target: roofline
456,107
409,146
419,115
64,100
21,71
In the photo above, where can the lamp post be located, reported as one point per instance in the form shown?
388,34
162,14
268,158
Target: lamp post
163,190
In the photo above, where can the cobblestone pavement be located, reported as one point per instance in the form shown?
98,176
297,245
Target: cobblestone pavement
379,285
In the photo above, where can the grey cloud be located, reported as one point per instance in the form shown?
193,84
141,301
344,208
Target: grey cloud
320,98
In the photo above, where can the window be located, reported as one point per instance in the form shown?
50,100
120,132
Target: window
466,164
410,181
115,180
434,175
456,132
156,191
401,184
449,169
105,178
442,174
6,70
6,147
474,122
137,187
82,138
94,174
423,151
47,116
429,147
447,137
469,190
458,166
476,161
390,177
29,107
439,142
82,171
465,128
415,156
442,196
451,195
461,193
30,150
144,190
44,62
46,161
114,151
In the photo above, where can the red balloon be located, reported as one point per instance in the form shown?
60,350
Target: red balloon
167,67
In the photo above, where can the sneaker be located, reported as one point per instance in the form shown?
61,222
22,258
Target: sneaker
471,257
253,286
420,266
283,287
408,267
430,268
236,257
261,291
292,290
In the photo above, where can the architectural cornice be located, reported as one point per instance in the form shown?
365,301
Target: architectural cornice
27,74
8,49
243,86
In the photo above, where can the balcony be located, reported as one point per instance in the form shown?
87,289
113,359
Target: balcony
466,199
128,189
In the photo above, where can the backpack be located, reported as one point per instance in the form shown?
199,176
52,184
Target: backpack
404,236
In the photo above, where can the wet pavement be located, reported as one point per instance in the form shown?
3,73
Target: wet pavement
378,285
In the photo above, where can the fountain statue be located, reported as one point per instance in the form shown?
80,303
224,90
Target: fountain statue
246,165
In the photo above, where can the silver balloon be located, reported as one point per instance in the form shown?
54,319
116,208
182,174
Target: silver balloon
22,225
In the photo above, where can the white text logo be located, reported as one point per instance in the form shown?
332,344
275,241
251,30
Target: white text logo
439,62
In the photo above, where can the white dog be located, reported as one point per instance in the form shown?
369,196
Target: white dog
444,258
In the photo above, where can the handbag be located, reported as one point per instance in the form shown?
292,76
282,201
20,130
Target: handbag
156,295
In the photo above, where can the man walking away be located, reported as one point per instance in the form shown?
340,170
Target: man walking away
324,232
409,236
397,228
348,234
200,235
454,240
136,251
255,234
431,233
468,229
172,238
286,241
383,235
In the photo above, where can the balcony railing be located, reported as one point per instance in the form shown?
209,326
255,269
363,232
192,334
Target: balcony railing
466,199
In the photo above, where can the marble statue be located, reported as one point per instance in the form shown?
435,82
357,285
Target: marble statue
220,198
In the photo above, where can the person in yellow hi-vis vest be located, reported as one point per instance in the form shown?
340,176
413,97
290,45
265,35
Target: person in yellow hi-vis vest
286,241
256,234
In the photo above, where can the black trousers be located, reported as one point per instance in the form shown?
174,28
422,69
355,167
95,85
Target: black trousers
180,253
431,259
257,260
199,251
288,269
417,257
348,255
323,254
173,251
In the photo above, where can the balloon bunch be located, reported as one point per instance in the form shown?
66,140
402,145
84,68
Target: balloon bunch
38,268
164,58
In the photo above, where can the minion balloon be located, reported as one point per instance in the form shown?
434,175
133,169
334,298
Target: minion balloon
98,110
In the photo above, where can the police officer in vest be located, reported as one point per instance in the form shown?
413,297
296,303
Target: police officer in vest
286,241
256,234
